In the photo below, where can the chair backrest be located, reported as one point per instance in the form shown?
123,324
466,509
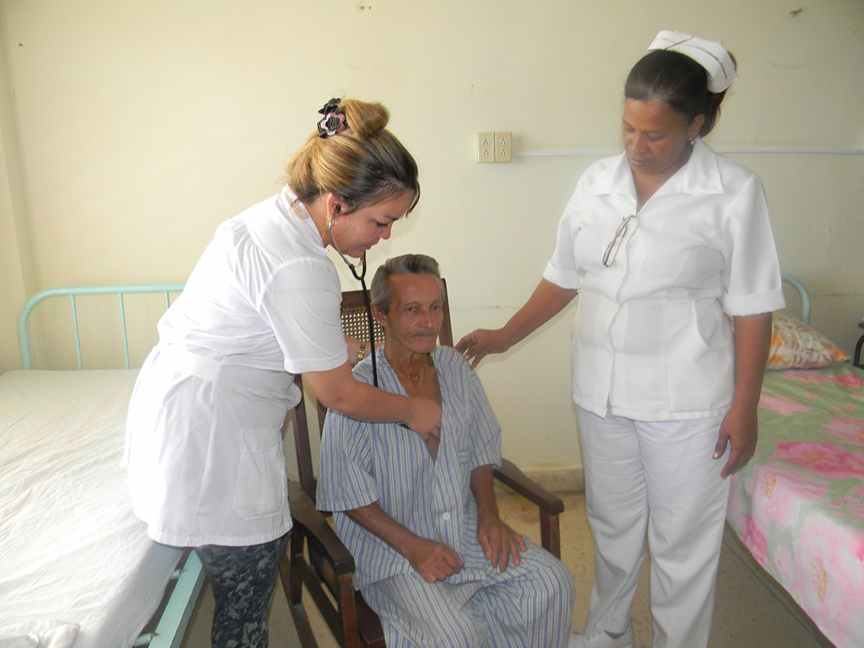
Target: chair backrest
355,323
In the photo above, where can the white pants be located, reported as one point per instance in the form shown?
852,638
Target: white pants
659,478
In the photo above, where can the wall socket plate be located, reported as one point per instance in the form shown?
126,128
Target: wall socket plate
486,147
503,147
494,147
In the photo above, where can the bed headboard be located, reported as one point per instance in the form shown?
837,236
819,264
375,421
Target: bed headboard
802,293
24,337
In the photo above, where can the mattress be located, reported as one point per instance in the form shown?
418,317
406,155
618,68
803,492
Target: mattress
72,551
798,506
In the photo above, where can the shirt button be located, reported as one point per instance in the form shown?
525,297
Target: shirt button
445,516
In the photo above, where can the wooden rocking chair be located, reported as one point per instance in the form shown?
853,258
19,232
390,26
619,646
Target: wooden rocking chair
317,558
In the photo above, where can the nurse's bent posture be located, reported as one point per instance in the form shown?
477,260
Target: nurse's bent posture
662,244
204,450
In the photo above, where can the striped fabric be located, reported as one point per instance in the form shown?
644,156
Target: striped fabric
384,463
362,463
526,605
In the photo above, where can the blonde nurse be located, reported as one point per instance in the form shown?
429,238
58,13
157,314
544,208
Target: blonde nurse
204,451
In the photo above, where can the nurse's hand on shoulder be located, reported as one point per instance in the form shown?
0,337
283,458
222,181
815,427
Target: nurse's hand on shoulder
478,344
739,429
425,418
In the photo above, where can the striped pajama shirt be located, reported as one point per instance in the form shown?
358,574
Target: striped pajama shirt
384,463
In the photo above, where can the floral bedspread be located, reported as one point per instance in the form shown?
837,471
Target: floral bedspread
798,506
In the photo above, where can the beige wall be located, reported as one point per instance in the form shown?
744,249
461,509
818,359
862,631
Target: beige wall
137,127
17,271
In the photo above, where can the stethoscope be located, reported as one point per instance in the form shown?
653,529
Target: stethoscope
361,277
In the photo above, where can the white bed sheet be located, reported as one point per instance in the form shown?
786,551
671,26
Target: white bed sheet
71,550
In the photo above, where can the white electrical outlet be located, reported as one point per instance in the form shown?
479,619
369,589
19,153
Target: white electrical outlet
494,147
486,147
503,147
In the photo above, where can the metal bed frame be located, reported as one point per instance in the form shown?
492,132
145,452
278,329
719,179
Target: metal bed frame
23,318
802,293
187,580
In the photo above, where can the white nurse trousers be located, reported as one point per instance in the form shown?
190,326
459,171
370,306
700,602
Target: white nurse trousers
657,478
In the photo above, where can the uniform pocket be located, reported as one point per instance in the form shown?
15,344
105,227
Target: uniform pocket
262,483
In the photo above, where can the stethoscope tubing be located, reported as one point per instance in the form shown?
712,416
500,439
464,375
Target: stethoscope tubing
361,277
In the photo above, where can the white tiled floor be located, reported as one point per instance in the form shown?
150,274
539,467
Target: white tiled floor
750,612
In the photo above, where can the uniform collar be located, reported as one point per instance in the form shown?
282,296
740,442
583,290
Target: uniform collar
279,231
701,175
296,212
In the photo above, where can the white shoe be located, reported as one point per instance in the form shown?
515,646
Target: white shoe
599,639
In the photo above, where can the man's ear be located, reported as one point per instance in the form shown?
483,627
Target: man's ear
380,316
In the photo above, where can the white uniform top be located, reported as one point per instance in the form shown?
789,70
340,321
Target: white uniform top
204,449
652,339
263,293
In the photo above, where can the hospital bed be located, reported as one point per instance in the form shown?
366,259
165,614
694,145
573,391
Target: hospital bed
798,506
77,565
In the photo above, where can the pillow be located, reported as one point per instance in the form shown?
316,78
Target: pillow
794,345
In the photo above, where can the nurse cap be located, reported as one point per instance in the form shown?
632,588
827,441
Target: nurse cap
711,55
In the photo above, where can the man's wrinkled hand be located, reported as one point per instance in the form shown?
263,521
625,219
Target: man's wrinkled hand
434,561
501,544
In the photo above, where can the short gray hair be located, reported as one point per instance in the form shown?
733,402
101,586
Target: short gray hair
381,290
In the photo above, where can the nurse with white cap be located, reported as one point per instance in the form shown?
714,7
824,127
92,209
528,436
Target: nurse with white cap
663,244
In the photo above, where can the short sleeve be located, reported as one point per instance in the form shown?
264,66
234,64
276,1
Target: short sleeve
345,481
485,429
751,277
561,268
466,404
301,305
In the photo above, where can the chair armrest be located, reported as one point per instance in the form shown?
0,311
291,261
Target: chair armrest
508,474
310,522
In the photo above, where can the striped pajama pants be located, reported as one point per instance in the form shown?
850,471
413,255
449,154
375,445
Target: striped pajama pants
527,605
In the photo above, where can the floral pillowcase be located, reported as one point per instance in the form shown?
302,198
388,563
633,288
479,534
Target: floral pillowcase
794,345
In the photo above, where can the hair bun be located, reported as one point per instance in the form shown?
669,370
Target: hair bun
364,119
353,156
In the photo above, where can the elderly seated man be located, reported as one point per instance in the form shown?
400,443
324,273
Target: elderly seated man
433,558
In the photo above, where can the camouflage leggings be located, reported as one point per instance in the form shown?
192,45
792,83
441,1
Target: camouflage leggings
243,580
